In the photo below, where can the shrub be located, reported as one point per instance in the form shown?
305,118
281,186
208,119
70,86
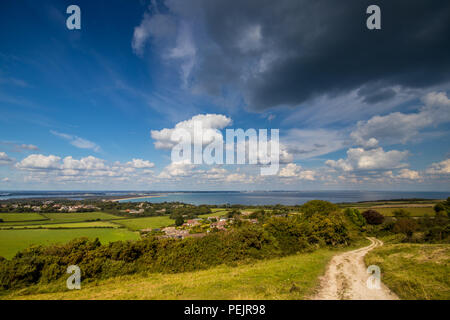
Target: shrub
179,221
443,207
407,226
288,234
318,206
401,213
330,230
355,217
373,217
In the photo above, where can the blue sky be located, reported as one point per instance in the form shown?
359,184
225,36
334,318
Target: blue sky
84,109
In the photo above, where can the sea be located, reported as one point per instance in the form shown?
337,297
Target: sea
233,197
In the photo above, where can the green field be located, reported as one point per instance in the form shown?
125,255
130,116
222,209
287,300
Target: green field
414,271
7,217
292,277
415,211
145,223
79,217
216,212
12,241
94,224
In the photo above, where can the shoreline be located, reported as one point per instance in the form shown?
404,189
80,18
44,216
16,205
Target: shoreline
138,197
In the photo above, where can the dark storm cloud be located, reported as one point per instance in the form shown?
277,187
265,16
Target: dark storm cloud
288,51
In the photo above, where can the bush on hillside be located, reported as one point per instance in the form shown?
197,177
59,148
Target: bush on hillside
401,213
407,226
373,217
318,207
355,217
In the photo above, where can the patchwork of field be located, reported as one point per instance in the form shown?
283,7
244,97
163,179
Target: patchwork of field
94,224
11,219
145,223
12,241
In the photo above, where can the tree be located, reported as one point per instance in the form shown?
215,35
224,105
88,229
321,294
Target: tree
406,226
179,221
443,207
318,206
373,217
355,216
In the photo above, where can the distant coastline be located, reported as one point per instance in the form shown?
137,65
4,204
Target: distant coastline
139,197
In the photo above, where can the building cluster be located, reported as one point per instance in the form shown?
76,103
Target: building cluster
195,227
50,206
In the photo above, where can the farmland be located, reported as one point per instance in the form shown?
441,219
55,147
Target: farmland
145,223
73,225
21,217
12,241
79,217
20,230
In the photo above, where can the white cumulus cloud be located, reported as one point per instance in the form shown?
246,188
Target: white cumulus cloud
209,123
400,127
359,159
439,168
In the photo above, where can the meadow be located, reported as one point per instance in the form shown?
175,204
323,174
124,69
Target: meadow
11,241
414,271
145,223
69,225
79,217
20,217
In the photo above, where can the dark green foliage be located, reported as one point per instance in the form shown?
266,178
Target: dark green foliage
330,229
289,234
373,217
443,207
318,206
401,213
179,221
355,217
407,226
233,213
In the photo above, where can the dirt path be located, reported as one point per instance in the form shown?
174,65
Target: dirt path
346,277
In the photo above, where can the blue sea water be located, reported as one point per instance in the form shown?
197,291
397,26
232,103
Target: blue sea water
245,198
286,198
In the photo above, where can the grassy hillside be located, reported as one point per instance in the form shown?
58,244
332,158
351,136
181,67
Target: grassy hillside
292,277
414,271
9,243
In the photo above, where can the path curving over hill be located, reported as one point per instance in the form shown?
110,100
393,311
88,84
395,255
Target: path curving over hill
346,277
